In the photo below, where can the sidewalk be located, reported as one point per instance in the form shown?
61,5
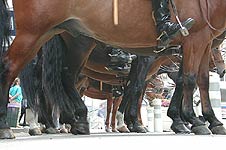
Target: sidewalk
25,129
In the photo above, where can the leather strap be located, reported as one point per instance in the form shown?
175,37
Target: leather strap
115,11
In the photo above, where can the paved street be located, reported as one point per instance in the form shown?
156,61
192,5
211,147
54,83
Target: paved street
102,140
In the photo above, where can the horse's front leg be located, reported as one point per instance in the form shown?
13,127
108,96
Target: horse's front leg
203,82
116,104
22,50
5,131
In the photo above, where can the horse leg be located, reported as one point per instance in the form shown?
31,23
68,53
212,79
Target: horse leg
137,125
116,104
79,125
121,127
32,120
80,48
45,116
56,117
22,50
139,112
203,82
127,118
191,63
175,105
137,76
109,108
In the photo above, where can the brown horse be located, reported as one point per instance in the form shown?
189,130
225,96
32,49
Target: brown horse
216,56
98,90
217,62
137,33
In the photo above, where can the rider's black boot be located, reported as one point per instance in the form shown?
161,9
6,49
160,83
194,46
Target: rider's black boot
165,28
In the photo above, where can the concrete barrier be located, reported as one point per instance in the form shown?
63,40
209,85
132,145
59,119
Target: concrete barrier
167,121
223,98
158,122
150,118
215,94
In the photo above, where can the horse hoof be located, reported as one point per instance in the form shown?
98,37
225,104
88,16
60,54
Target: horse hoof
139,129
146,129
107,129
130,127
219,130
80,128
201,130
6,134
123,129
68,127
35,131
63,130
180,129
115,130
73,130
52,131
42,129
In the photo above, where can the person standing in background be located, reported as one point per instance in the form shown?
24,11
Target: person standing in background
16,96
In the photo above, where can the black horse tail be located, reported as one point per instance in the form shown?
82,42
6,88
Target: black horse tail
41,81
30,78
4,26
53,54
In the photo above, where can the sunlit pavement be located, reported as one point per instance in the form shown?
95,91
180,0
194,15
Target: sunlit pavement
99,139
117,141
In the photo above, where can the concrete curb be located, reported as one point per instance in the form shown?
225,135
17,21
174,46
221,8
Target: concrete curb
19,130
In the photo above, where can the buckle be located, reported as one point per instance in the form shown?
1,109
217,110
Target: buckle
159,38
163,39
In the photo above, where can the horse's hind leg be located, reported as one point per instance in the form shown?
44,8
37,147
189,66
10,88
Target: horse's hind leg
203,81
80,124
109,108
139,112
84,46
191,64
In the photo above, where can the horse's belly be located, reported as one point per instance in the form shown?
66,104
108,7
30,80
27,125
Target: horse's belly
135,24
